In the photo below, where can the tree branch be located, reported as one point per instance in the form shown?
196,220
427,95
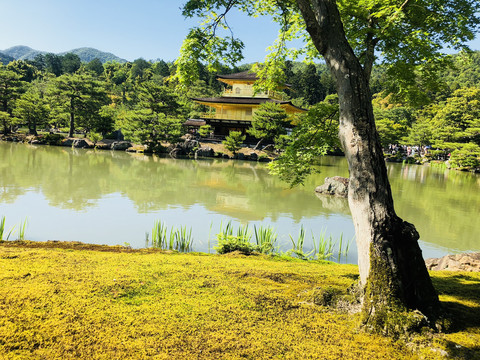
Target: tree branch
315,22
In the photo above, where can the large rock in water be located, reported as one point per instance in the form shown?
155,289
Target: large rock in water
335,185
459,262
77,143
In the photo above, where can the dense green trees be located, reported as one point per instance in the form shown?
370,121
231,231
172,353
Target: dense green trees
398,120
33,109
155,118
80,97
270,121
11,88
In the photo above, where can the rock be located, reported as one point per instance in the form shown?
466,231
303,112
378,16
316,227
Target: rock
263,158
68,142
136,149
335,185
77,143
176,151
121,145
189,146
240,156
204,152
334,204
458,262
102,145
253,156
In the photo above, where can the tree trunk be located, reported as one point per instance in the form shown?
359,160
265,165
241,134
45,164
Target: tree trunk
72,119
258,144
392,269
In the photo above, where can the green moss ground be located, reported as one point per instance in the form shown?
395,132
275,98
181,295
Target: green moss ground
61,301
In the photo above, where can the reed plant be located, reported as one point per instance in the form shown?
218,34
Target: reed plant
21,229
343,251
323,246
3,231
179,239
183,239
298,244
243,232
265,238
231,238
159,235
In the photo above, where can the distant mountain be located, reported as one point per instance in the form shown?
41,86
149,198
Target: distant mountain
5,59
22,52
85,54
88,54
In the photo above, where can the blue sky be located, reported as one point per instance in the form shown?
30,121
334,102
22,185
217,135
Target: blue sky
130,29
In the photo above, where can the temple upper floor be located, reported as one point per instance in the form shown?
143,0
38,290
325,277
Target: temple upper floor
241,85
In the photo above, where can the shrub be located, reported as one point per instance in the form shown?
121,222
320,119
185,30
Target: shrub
231,243
53,139
465,158
233,141
204,130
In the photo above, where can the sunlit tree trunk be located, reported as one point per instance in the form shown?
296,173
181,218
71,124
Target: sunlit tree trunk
392,269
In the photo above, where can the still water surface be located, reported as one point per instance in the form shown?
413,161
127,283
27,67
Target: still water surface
113,198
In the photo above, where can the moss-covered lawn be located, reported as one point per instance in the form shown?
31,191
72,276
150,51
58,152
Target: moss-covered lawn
106,303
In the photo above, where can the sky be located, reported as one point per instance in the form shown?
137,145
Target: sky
148,29
130,29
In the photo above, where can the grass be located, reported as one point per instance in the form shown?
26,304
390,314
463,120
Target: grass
266,239
179,239
21,230
230,239
59,302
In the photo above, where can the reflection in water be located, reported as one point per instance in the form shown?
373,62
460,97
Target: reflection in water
115,197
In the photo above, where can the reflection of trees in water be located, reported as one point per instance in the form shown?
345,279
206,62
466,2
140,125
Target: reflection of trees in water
444,205
76,179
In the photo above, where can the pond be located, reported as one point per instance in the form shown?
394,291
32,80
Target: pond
112,198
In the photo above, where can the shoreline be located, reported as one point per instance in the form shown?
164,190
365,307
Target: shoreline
190,148
196,148
464,262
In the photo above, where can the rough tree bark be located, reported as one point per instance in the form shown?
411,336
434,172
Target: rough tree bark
392,269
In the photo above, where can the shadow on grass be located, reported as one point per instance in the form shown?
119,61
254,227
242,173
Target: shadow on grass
461,316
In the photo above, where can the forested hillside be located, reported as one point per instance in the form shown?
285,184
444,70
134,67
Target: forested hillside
5,59
85,54
440,119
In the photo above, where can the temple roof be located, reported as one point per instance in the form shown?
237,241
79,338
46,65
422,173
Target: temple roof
195,122
244,101
244,75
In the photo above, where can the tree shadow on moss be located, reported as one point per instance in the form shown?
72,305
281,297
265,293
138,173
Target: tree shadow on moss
456,351
460,316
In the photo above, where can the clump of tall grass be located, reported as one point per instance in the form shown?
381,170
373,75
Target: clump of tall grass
231,243
297,245
266,238
323,246
21,230
229,240
179,239
343,251
243,232
3,231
